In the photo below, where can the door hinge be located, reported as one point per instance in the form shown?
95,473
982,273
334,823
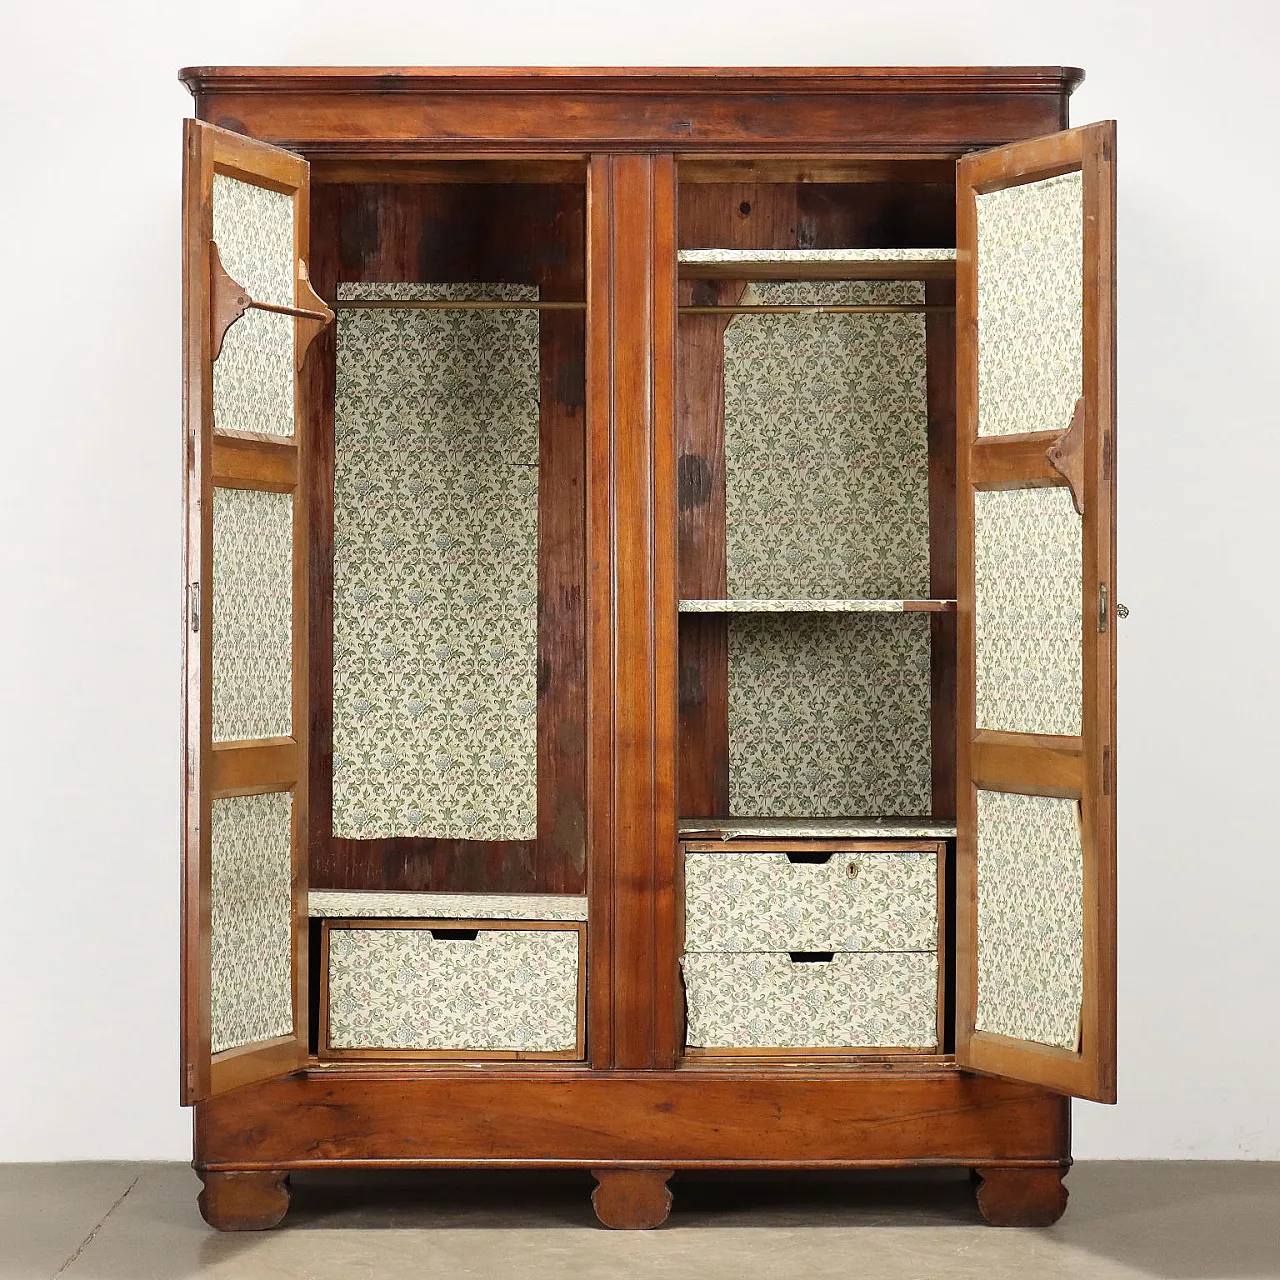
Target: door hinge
1103,611
195,606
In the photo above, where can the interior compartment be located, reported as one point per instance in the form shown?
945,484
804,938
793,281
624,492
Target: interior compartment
816,470
449,645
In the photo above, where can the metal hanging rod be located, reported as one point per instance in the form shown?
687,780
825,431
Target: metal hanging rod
819,308
444,304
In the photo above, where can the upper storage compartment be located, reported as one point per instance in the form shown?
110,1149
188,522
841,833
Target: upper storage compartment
815,462
455,406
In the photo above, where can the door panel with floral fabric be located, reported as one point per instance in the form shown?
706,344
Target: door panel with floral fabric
1036,657
244,922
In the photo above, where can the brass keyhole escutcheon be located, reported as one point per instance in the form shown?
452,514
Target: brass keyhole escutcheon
852,870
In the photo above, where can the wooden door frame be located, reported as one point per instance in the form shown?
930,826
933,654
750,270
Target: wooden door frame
1078,767
253,767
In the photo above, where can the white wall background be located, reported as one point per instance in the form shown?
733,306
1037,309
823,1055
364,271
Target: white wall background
89,518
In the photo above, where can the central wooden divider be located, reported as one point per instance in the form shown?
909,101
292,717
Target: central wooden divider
631,208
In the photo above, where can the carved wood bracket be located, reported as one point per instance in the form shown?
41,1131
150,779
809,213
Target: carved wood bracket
229,300
1066,455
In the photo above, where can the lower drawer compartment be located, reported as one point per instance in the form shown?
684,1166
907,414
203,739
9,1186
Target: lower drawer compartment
845,1000
452,989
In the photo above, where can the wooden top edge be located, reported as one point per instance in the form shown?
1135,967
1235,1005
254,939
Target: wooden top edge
637,79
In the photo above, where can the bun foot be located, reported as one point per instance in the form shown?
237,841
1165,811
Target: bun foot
244,1201
631,1199
1020,1195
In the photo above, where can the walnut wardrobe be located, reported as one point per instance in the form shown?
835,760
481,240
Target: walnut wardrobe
650,671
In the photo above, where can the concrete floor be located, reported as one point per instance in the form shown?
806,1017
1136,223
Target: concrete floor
1183,1221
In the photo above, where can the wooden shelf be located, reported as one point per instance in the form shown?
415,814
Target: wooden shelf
401,904
817,606
817,264
819,828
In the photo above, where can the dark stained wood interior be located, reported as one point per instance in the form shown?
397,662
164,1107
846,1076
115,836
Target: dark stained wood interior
883,213
827,215
455,232
702,785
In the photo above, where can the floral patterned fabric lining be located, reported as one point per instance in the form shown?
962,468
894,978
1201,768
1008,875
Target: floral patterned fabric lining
765,1000
446,906
435,568
761,901
252,614
1030,918
829,715
251,946
826,451
253,228
1030,305
508,989
826,472
253,376
1028,618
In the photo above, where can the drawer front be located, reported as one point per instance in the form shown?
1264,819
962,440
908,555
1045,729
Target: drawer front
510,991
769,1001
852,902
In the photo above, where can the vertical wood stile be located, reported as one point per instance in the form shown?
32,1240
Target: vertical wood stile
198,588
632,616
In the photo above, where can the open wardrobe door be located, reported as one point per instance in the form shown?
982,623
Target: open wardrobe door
1036,804
248,317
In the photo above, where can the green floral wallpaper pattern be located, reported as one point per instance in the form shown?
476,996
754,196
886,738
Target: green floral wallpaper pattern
826,451
829,715
436,568
761,901
1028,611
403,989
1030,918
1030,305
253,376
765,1000
252,913
252,614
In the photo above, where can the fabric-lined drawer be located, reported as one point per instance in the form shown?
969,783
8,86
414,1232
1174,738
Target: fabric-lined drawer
452,988
769,1000
766,899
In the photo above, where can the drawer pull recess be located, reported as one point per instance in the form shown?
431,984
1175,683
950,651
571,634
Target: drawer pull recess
455,935
814,857
811,957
